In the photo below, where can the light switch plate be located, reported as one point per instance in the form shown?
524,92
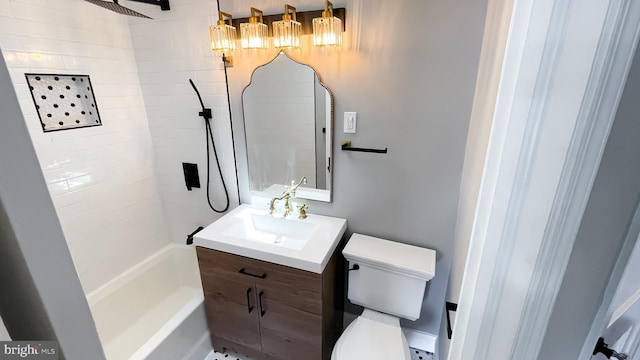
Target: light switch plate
350,122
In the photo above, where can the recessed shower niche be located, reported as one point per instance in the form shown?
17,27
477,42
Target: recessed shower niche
63,101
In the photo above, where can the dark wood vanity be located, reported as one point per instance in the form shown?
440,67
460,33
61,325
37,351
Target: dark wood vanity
270,311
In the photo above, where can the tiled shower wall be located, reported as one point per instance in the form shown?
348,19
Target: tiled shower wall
102,179
170,50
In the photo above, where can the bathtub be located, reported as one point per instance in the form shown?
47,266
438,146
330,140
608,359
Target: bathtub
154,310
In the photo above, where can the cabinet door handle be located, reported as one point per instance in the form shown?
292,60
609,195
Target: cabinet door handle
262,312
249,307
244,272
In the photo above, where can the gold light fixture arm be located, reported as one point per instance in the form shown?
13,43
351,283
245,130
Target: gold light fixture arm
328,9
289,15
255,13
221,18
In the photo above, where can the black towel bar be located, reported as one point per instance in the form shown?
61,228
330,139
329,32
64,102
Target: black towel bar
346,145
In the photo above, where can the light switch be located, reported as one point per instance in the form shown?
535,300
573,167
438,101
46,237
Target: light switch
350,122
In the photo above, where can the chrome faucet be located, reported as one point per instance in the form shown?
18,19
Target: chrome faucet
286,195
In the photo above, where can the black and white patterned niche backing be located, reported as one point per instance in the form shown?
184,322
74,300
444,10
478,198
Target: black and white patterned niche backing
64,101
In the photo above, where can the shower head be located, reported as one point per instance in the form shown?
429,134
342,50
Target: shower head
115,7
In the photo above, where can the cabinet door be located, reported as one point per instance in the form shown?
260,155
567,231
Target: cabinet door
230,303
288,332
232,311
285,321
291,313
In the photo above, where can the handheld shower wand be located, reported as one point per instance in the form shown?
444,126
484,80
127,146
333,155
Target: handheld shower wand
206,112
207,115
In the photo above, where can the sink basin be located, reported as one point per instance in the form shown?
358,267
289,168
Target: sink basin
251,231
268,229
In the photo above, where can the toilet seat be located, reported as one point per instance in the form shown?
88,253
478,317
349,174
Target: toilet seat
372,336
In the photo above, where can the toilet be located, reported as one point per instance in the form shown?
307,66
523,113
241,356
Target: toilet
388,279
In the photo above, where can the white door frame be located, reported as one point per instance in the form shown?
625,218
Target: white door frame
564,70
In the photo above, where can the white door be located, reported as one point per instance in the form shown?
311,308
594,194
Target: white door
564,68
604,242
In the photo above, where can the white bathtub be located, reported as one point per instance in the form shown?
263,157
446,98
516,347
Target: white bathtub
154,310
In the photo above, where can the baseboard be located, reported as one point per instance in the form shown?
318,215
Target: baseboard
417,339
421,340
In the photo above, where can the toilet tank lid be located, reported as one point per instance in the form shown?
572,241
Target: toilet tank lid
391,255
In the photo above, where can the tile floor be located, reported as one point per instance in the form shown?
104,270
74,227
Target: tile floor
415,355
214,355
420,355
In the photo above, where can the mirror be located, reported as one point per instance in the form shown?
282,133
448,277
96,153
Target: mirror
288,119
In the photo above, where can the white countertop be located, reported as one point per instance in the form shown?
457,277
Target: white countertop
313,256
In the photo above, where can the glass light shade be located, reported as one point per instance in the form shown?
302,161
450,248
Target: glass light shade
286,34
254,35
327,31
223,37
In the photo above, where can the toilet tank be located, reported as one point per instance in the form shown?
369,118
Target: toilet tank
391,277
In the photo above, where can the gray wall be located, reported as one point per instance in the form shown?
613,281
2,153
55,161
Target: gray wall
409,69
41,297
609,210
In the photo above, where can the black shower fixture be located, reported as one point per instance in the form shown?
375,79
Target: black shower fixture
116,7
207,115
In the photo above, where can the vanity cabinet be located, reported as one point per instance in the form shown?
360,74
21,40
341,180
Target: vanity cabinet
270,311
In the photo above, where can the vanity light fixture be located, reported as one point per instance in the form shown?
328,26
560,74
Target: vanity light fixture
327,30
286,33
223,35
254,33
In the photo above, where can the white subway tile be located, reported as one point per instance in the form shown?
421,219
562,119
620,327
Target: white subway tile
199,24
20,59
153,66
88,64
85,254
201,63
115,182
10,41
5,8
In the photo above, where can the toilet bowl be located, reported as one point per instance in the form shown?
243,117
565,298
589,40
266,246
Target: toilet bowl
372,336
388,279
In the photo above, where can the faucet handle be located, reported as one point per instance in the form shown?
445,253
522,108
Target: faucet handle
302,211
